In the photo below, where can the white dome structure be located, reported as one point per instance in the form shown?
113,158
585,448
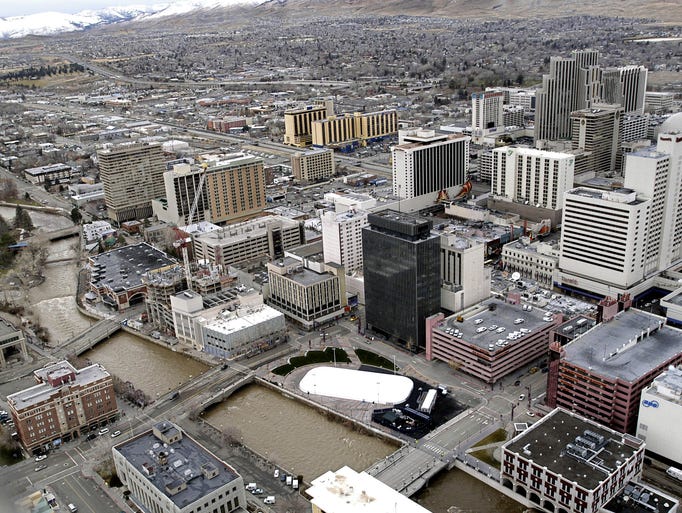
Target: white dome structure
672,124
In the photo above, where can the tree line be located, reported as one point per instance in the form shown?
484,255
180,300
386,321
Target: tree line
42,71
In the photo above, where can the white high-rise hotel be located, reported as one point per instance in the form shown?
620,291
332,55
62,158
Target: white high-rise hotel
424,162
342,238
618,241
487,112
537,177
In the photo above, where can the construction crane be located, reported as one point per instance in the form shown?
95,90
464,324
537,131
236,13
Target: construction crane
182,244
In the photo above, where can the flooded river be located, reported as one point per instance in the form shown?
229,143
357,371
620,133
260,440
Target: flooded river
294,436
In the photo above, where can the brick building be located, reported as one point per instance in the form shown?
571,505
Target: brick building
65,403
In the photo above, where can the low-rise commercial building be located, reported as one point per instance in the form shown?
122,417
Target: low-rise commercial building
54,173
495,340
537,261
243,331
64,404
116,276
167,471
601,373
565,463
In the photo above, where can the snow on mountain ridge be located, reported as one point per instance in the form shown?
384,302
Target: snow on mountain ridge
49,23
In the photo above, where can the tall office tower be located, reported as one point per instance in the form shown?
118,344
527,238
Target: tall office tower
602,238
537,177
486,112
658,175
313,165
597,131
298,122
132,175
569,86
626,86
342,238
402,275
425,162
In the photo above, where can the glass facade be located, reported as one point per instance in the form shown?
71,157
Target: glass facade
402,275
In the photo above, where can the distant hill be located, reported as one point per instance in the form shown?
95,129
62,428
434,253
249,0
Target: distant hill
660,10
232,12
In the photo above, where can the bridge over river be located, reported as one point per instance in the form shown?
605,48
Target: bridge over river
412,466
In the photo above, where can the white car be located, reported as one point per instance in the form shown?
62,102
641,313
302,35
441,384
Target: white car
530,414
522,397
478,321
41,457
103,431
115,434
519,320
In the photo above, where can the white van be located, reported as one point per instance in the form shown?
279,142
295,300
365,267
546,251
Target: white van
251,486
72,508
270,499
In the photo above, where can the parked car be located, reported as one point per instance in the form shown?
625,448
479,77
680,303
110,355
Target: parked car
115,434
103,431
41,457
522,397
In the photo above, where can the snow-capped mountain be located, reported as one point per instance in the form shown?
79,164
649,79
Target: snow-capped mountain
48,23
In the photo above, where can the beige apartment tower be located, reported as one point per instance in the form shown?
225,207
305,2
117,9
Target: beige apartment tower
297,122
132,175
313,165
360,128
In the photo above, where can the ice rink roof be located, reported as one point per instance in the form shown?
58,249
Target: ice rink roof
357,385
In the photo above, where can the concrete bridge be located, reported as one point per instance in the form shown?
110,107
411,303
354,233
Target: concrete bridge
91,337
412,466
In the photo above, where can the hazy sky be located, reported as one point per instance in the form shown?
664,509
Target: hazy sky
10,8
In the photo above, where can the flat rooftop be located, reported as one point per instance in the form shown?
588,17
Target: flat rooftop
122,268
370,387
243,318
668,385
43,391
6,328
504,316
629,346
235,233
347,491
641,498
546,443
172,466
